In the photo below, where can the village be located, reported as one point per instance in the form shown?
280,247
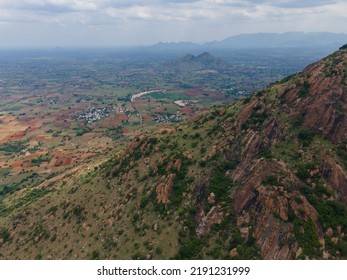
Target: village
167,118
93,115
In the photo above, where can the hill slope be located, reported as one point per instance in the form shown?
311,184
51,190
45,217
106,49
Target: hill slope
265,177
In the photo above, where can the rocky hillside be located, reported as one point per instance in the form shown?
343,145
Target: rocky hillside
263,178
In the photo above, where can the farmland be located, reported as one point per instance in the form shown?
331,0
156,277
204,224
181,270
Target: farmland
61,109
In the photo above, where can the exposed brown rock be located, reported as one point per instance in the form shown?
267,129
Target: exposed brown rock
329,232
267,207
298,252
324,104
334,240
244,114
85,226
336,177
188,155
132,146
234,253
221,111
212,152
164,189
304,210
214,216
177,164
211,198
173,163
326,255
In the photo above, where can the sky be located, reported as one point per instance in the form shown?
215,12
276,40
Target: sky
59,23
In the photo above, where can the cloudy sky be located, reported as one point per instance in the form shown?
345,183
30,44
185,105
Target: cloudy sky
143,22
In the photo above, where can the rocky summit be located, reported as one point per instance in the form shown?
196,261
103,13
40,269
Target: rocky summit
262,178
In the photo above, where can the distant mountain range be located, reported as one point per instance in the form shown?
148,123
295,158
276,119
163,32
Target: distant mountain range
263,40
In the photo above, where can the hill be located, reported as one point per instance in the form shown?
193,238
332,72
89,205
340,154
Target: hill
265,177
189,62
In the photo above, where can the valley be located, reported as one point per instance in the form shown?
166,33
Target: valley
59,109
161,155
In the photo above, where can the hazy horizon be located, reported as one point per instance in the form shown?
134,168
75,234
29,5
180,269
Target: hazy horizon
142,47
105,23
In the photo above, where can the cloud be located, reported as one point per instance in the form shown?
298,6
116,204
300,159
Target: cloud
148,10
294,3
186,20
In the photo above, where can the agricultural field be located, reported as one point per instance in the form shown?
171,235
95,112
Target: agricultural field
61,109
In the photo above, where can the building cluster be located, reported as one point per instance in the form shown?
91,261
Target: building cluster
167,118
93,115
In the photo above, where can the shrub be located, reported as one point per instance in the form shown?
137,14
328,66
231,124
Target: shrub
307,240
190,248
95,255
5,234
271,181
80,132
304,91
219,183
303,170
78,212
332,214
298,200
341,152
13,147
306,136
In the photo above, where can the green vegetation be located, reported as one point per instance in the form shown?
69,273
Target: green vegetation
306,235
80,132
105,197
256,119
306,136
303,170
331,213
57,133
304,91
4,235
13,147
271,180
341,152
37,161
16,107
220,184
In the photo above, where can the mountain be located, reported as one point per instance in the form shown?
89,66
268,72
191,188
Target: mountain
172,46
265,177
189,62
282,40
326,41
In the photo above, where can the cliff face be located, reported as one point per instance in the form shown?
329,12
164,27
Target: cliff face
319,98
293,166
265,177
